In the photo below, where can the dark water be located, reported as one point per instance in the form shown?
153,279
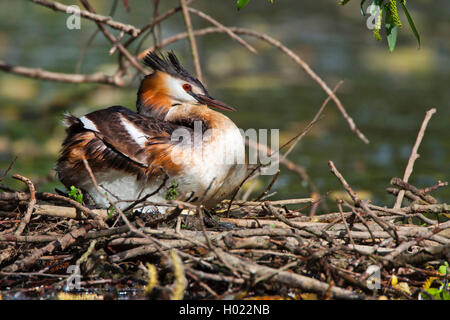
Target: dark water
387,94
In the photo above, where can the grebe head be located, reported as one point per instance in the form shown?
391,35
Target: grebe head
171,85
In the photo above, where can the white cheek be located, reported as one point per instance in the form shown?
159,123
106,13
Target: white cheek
176,90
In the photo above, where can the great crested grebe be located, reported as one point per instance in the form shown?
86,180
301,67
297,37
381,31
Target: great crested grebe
175,140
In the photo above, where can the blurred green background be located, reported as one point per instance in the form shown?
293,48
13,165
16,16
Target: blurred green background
387,94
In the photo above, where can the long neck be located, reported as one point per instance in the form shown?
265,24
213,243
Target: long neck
220,141
152,98
187,115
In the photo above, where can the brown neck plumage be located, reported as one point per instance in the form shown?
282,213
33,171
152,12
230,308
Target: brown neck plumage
152,99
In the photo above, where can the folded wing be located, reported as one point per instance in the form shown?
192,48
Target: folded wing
116,138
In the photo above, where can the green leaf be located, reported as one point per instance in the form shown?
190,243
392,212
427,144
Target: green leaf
241,4
391,30
110,212
172,192
445,295
392,38
443,270
434,292
411,22
76,194
362,9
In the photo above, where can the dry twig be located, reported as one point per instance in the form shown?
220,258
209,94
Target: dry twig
91,16
414,155
31,204
192,42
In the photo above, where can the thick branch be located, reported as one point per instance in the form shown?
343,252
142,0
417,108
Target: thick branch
37,73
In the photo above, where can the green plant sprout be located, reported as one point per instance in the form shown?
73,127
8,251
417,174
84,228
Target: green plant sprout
172,193
76,194
110,212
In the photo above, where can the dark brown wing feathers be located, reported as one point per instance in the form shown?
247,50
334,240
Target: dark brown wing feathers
103,139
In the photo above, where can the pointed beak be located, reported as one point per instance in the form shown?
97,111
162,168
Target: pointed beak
211,102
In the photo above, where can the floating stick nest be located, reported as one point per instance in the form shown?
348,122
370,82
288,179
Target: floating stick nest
256,250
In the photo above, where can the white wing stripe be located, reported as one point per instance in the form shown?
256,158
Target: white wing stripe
137,135
88,124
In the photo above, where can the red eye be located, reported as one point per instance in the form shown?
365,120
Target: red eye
187,87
